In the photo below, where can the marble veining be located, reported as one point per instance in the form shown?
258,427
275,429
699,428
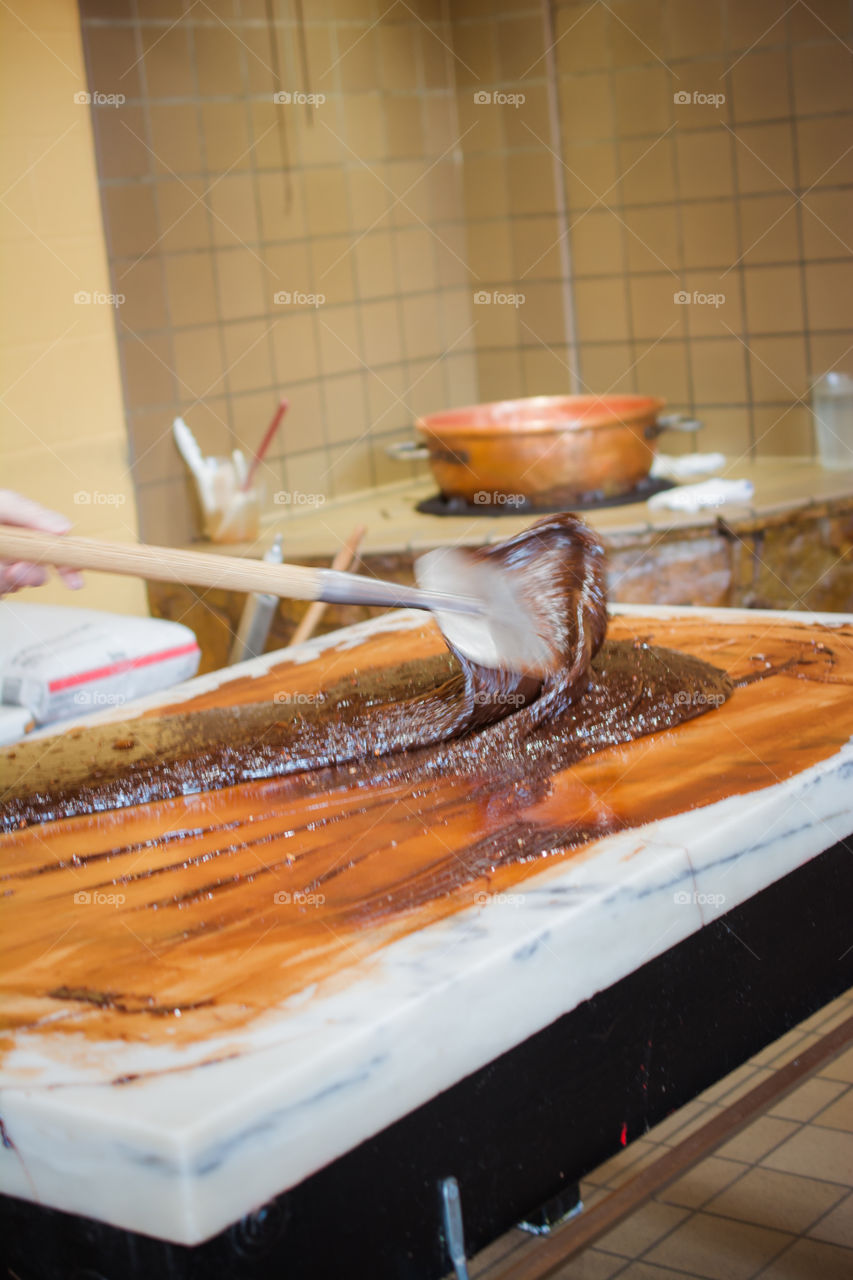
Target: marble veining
208,1132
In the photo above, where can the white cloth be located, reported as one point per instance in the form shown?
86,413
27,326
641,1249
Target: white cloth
710,493
685,466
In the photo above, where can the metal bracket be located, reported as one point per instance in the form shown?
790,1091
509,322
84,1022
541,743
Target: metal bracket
454,1231
556,1211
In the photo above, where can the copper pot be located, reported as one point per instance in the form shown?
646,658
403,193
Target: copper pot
545,451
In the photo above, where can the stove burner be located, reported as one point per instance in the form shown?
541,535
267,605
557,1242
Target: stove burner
440,505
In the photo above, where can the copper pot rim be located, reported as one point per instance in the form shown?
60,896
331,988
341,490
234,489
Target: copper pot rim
533,415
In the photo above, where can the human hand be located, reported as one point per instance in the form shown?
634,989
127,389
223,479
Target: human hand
18,510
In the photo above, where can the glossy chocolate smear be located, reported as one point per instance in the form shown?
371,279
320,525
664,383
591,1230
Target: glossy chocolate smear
213,886
435,716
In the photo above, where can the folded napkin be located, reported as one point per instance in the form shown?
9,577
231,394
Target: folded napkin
685,466
710,493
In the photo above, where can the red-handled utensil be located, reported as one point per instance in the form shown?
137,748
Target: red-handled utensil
282,409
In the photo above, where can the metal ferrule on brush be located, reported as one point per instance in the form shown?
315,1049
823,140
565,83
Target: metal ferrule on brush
343,588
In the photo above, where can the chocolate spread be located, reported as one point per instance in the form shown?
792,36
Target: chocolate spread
443,715
304,818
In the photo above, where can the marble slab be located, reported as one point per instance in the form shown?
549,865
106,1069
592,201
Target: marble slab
191,1144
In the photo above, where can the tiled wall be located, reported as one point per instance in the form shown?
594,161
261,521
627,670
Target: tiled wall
62,436
670,189
217,199
518,251
628,152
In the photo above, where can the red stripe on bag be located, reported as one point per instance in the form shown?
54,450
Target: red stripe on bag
116,668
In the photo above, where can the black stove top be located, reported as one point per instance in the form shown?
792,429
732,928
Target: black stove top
441,505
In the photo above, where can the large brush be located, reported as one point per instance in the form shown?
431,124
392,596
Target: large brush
482,607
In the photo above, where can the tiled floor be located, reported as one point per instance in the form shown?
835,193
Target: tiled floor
776,1201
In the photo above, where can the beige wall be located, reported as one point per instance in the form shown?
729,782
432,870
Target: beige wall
751,199
62,430
399,198
216,198
516,238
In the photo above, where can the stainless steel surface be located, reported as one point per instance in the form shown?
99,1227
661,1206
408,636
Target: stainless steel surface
258,613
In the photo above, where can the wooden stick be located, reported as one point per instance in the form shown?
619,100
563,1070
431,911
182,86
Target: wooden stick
162,564
545,1257
202,569
342,561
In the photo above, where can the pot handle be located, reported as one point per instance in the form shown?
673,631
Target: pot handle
672,422
407,451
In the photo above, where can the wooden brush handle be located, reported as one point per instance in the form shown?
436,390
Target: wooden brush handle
161,564
201,569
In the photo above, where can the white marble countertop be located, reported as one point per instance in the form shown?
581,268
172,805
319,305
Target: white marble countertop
186,1149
